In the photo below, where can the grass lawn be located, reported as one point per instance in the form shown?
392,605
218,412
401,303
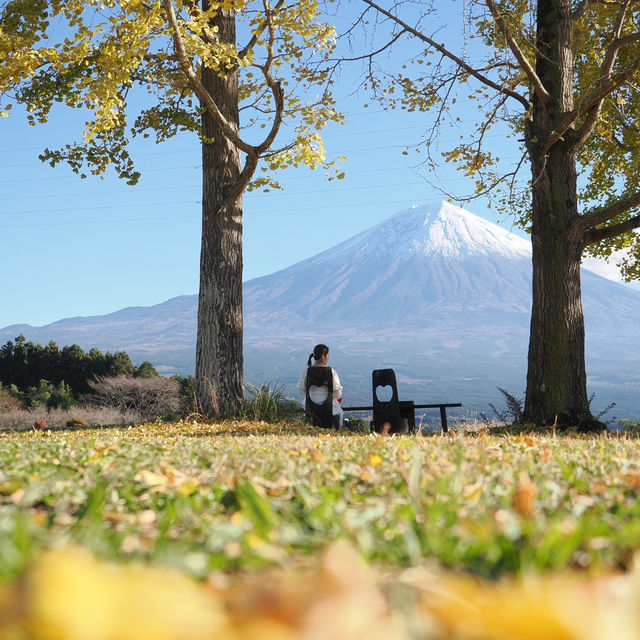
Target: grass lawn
249,530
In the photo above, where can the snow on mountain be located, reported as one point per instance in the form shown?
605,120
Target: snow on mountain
440,294
419,261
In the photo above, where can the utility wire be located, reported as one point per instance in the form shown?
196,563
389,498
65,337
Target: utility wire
104,206
298,210
329,189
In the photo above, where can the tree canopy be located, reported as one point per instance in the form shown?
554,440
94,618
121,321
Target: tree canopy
134,68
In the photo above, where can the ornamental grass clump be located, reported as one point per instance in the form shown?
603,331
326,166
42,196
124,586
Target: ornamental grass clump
268,403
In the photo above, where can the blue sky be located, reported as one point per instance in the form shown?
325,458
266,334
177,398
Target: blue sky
84,247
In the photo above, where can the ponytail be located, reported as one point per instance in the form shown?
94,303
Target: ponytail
318,351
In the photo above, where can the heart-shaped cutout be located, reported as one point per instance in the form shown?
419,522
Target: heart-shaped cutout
318,394
384,392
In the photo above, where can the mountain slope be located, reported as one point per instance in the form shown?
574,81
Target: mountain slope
420,261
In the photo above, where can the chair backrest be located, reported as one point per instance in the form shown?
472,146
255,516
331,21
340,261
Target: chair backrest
385,411
318,403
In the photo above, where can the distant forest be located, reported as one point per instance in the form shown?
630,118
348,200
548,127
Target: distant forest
24,365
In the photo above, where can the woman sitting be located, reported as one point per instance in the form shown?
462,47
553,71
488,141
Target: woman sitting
319,358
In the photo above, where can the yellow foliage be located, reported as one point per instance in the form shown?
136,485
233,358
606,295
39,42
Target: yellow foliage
68,594
109,48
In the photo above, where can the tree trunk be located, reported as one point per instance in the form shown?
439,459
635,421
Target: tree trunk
556,377
219,359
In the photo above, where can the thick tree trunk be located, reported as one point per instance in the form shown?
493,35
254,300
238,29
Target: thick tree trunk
219,360
556,378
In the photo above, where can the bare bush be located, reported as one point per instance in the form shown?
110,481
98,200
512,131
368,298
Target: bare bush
7,401
17,418
150,397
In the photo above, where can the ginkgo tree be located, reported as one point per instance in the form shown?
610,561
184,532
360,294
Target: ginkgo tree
564,77
160,67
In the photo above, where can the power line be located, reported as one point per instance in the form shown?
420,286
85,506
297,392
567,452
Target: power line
103,193
349,206
75,222
253,196
271,194
104,206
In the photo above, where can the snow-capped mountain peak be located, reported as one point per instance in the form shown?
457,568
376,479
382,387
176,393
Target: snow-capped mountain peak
447,230
437,229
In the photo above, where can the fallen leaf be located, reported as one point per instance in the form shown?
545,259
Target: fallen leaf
525,496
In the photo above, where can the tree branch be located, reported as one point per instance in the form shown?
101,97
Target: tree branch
596,235
605,73
451,56
252,43
276,88
581,8
593,101
197,86
368,56
525,65
586,226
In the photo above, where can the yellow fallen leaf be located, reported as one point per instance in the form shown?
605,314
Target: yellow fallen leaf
533,608
187,488
375,460
17,495
525,496
151,478
632,478
70,595
472,492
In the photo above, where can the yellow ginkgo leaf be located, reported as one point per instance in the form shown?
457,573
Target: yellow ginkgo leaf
151,478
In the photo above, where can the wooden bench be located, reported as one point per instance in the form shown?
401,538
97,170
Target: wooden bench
443,406
395,412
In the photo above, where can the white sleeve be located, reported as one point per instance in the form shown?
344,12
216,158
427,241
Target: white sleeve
302,383
337,387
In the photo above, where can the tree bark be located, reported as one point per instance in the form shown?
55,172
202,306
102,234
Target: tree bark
556,377
219,358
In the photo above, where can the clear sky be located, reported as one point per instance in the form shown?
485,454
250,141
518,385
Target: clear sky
75,247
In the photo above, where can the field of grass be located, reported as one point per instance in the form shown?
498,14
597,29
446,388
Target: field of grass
249,530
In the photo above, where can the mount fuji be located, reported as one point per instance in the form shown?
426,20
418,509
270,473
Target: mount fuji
437,293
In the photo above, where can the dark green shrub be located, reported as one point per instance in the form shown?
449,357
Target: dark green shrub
187,393
61,397
38,396
24,364
146,370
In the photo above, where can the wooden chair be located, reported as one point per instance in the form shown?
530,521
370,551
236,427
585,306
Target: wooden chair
320,414
393,415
